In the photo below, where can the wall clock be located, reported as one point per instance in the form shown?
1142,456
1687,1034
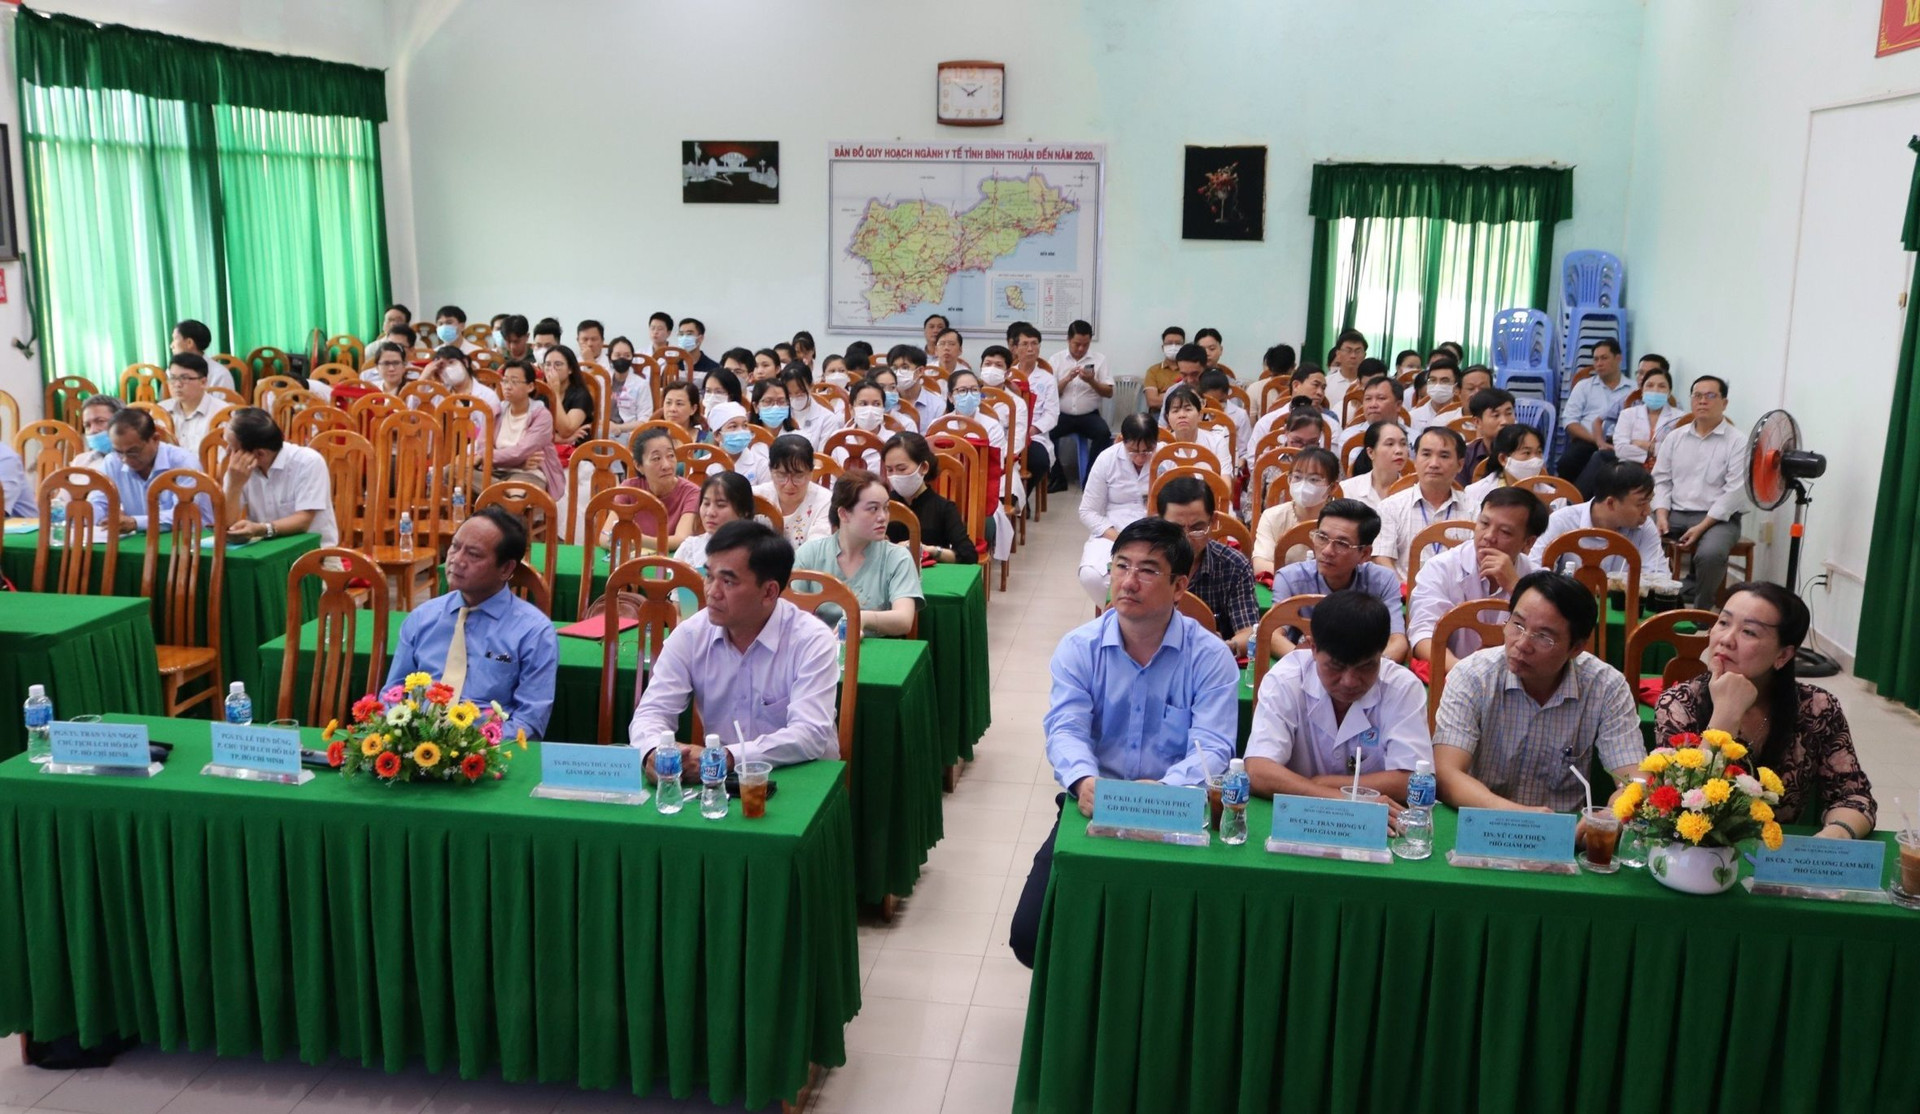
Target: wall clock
972,94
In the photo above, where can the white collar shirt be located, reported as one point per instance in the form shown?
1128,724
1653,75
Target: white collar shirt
1293,721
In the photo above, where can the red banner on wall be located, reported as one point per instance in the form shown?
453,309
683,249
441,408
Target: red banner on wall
1899,26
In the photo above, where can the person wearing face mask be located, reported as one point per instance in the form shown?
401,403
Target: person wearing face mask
632,394
734,435
834,372
692,335
1161,377
803,504
1622,502
1441,384
1310,483
926,405
138,456
1115,497
546,337
1642,426
1517,456
814,419
994,364
449,368
869,415
773,408
1488,567
882,576
911,469
720,386
95,414
449,328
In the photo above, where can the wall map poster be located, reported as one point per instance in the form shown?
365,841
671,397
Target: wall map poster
985,233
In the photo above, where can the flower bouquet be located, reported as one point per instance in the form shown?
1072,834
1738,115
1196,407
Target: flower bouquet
1698,806
416,731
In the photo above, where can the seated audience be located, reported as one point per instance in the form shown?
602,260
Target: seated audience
511,340
1379,402
1216,392
724,497
1436,460
917,402
1642,426
1222,577
771,407
719,385
389,371
1188,364
1341,547
523,449
1278,362
17,493
911,469
680,404
1165,375
882,576
1115,496
1210,342
803,504
1492,409
1025,341
660,477
95,415
452,368
1343,364
573,423
1310,482
1622,502
189,403
813,419
1699,490
1383,460
734,435
194,337
1488,567
691,338
869,401
1183,410
275,487
1441,383
1591,408
449,330
138,457
1518,455
631,390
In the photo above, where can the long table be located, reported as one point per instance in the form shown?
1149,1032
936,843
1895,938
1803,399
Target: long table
254,604
94,654
896,769
1226,978
469,927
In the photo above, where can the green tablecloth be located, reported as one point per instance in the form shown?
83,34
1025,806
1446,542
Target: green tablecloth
254,608
896,749
954,625
470,927
93,653
1229,979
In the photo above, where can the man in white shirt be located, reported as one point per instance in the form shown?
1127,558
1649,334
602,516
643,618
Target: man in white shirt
1436,459
1622,502
193,336
188,403
591,338
1343,366
1700,488
1592,409
1489,566
1318,706
906,361
1024,339
1116,494
449,327
273,487
1084,381
748,658
1443,382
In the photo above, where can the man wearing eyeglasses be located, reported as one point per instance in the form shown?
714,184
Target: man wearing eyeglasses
1342,552
1222,576
187,401
1489,565
1699,490
138,456
1142,693
1517,720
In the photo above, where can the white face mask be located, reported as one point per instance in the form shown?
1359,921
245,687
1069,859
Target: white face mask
1524,469
837,379
867,416
800,403
453,375
904,486
1439,394
684,342
1309,493
540,357
993,376
1170,351
709,401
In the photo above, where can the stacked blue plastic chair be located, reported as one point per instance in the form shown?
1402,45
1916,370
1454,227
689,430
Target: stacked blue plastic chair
1524,356
1593,306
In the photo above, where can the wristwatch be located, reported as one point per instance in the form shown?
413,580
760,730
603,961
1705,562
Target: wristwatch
269,529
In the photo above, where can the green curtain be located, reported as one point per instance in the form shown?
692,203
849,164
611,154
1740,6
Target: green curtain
1889,649
168,178
1412,255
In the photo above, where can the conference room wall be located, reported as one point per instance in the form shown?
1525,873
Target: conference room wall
544,139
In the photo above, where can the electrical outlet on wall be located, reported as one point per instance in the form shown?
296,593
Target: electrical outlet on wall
1766,533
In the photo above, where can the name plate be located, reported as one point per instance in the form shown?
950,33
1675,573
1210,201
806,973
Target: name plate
1149,811
100,744
272,750
1825,864
583,771
1496,833
1327,823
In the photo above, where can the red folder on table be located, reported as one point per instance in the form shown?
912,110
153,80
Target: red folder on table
595,628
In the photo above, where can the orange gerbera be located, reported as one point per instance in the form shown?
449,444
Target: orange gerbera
438,693
366,708
336,753
387,765
473,765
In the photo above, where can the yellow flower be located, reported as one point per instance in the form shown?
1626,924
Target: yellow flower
1624,806
1718,790
326,733
370,746
1716,738
1770,835
419,680
426,756
1770,781
1633,791
520,736
1693,825
1653,764
1690,758
1761,811
1734,751
462,714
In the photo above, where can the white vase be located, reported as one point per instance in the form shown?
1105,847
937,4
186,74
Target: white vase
1694,870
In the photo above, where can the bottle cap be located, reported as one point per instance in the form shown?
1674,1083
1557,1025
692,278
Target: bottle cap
713,740
1237,766
1422,766
238,688
35,692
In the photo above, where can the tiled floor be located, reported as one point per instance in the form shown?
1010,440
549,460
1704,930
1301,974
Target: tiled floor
944,999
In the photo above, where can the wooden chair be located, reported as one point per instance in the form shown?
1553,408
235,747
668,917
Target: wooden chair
406,453
601,390
1297,534
604,464
333,375
311,422
1356,394
1274,393
1177,454
826,470
1478,616
466,450
213,447
674,364
648,369
351,467
680,435
268,360
266,390
331,689
1239,394
1222,491
1270,483
1358,441
1446,533
544,391
1664,629
831,590
1467,427
851,446
423,394
227,397
963,479
762,435
45,447
188,642
1480,469
74,572
1588,549
1195,608
370,412
1230,530
898,512
650,584
533,506
529,585
1552,490
64,397
615,512
9,418
698,458
243,378
1216,419
1295,613
143,383
162,420
346,349
288,405
764,507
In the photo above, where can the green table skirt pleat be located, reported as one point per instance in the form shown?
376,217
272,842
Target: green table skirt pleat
1231,979
954,625
466,928
94,654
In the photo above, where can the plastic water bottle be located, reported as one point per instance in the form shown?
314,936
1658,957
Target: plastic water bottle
38,714
667,794
1416,823
406,534
840,632
59,516
459,505
239,705
1234,790
713,780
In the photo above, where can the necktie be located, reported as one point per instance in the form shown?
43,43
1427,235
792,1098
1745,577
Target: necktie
455,673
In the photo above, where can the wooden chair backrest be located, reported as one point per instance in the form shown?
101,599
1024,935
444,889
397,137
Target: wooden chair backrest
526,583
851,446
314,420
64,396
332,690
1480,469
1238,393
227,397
1195,608
267,360
162,420
543,390
1297,534
1358,440
766,508
1228,530
466,449
674,363
831,590
406,453
289,403
598,461
46,446
186,620
1216,419
72,568
616,512
1552,490
1185,454
351,467
536,508
1275,393
423,394
1467,427
370,411
1446,533
826,470
143,383
346,349
1295,612
1587,549
1355,395
762,435
264,389
1487,618
600,387
1664,628
9,417
901,513
213,447
1271,480
832,397
680,435
1222,491
698,458
652,582
966,485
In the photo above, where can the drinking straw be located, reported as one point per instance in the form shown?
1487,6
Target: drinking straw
740,736
1584,783
1358,750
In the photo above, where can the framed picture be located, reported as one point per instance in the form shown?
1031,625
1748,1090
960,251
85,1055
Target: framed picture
9,238
729,172
1224,194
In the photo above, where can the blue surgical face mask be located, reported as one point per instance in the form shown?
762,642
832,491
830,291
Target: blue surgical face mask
448,333
773,415
966,403
1655,400
100,442
893,401
735,441
684,342
499,341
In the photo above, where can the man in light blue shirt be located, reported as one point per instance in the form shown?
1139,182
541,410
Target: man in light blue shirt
138,457
489,645
1592,408
1143,693
16,491
1342,559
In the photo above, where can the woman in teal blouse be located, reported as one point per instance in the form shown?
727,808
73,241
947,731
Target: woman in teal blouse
881,574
